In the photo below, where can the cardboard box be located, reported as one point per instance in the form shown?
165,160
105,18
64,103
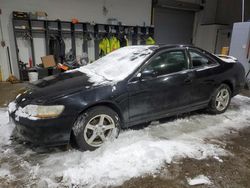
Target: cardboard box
48,61
41,15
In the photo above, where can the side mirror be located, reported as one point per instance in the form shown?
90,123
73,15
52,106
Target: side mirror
147,74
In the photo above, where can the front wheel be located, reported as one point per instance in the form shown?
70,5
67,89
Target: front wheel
96,126
220,100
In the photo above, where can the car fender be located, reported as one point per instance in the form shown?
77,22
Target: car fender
109,104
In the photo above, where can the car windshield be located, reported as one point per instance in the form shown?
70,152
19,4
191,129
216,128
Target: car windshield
117,65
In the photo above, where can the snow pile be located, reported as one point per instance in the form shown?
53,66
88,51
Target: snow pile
136,153
4,172
218,159
141,152
5,127
133,155
117,65
12,107
199,180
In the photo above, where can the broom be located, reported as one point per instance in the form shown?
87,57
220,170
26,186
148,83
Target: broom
12,79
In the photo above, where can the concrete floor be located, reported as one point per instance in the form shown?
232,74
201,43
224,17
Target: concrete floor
9,91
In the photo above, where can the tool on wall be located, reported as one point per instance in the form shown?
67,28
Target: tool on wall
12,79
0,74
1,30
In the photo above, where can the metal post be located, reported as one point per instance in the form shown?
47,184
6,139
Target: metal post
243,11
73,38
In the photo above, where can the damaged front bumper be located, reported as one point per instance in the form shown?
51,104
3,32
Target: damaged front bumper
49,132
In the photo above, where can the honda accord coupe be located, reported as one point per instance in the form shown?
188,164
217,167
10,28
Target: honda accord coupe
132,85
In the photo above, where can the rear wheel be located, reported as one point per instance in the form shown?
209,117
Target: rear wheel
220,100
96,126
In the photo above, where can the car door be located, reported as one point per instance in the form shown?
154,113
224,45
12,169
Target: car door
162,85
205,71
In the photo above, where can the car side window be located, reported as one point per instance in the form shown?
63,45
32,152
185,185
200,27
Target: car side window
168,62
199,60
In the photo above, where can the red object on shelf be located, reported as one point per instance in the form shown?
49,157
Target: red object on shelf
75,20
30,62
63,67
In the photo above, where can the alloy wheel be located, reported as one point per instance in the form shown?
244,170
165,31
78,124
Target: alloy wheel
99,129
222,99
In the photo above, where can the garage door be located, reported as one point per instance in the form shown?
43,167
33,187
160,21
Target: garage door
173,26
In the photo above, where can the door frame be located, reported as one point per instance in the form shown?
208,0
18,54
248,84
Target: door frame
135,80
134,75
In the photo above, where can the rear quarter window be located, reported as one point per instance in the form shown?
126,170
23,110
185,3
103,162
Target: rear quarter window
200,60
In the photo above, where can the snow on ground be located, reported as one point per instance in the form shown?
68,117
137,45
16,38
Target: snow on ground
5,127
199,180
135,153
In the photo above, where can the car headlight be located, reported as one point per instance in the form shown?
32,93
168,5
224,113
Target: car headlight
41,111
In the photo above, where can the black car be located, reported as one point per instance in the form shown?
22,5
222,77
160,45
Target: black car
132,85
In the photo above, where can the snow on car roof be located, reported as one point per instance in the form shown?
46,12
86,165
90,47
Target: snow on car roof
226,58
117,65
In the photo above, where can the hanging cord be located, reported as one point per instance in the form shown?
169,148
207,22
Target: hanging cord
1,28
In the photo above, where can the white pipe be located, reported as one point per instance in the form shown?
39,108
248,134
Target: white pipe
243,11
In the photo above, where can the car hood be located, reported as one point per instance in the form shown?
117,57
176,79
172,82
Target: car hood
56,86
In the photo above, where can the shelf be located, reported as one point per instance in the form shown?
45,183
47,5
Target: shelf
21,30
38,30
35,28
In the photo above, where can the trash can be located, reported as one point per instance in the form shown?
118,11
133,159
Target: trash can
33,75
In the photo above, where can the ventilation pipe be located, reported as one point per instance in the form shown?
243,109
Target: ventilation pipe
243,11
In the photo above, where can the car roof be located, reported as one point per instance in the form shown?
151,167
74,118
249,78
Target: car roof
175,46
169,46
157,47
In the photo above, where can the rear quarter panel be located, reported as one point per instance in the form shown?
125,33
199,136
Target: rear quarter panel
234,75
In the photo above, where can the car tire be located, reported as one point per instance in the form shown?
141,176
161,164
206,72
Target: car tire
93,127
220,100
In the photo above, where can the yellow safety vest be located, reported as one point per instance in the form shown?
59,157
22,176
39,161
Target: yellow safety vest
150,41
114,43
104,46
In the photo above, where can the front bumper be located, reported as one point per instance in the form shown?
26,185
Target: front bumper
49,132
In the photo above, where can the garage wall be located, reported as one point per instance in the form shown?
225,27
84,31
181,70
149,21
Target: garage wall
133,12
173,26
181,26
229,11
218,25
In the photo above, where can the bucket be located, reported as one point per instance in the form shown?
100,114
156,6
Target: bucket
33,76
225,50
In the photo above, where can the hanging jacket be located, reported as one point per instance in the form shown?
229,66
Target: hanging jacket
104,46
57,48
150,41
114,43
123,41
